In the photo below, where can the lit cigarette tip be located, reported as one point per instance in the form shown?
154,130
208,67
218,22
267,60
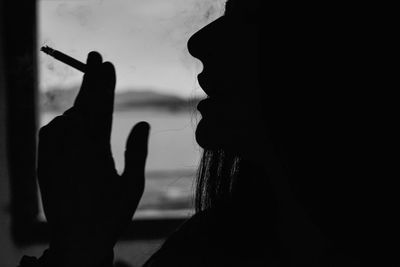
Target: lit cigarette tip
48,50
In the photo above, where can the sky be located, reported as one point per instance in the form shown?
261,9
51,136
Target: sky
144,39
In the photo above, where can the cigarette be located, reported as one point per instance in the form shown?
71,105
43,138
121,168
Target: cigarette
64,58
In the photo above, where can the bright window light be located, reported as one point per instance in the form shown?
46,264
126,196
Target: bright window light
156,81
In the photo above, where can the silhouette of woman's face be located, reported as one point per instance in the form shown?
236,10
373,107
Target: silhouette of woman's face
228,49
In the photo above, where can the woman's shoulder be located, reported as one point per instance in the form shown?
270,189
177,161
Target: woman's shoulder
211,238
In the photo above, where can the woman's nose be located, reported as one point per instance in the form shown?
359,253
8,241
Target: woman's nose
208,46
196,43
203,42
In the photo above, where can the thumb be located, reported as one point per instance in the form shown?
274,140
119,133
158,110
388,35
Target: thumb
136,154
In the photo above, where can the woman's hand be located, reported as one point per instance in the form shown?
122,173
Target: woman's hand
86,202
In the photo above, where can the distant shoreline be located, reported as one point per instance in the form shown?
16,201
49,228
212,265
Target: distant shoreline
60,99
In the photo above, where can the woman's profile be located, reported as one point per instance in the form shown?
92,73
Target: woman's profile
272,167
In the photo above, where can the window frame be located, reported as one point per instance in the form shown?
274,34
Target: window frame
20,61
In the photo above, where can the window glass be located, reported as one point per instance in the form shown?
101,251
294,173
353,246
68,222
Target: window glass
156,81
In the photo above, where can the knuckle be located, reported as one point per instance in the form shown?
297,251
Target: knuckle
55,126
42,132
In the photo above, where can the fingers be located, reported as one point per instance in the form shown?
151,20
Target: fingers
94,59
82,101
95,101
105,100
135,156
96,95
101,101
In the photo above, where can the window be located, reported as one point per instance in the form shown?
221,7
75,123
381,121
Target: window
155,82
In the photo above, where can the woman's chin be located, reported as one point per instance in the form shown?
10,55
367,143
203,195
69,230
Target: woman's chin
207,135
212,135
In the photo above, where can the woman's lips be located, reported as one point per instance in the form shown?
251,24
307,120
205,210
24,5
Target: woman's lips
204,105
209,81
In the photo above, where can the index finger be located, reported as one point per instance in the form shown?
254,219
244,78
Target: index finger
103,98
82,102
96,95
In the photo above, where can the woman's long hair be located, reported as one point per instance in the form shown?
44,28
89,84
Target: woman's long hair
216,179
226,179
